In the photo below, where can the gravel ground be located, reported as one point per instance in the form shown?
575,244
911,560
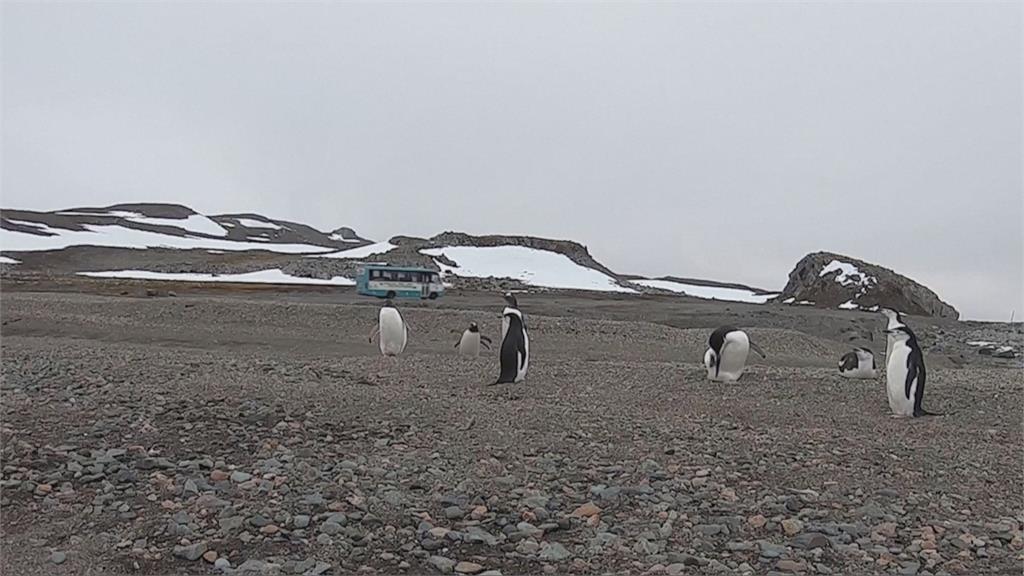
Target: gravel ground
218,434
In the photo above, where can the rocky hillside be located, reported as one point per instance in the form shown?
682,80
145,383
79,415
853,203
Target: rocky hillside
171,225
830,280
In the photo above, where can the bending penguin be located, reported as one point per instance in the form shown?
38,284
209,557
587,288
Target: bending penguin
394,333
858,364
905,374
727,354
469,344
515,343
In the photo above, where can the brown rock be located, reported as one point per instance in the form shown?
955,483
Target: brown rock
468,568
210,556
791,566
478,513
792,526
887,529
586,510
757,521
270,529
219,475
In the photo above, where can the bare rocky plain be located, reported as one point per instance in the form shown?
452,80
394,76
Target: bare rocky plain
244,430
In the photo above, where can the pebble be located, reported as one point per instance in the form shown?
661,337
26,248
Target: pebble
553,552
792,526
238,476
465,567
58,557
586,510
191,552
791,566
210,556
222,564
443,565
810,540
300,521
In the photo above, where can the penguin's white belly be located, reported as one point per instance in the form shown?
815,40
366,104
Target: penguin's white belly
469,345
734,358
393,335
526,361
896,381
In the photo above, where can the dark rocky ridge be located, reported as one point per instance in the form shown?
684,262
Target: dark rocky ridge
887,289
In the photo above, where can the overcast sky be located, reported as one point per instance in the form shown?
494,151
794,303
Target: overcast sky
716,141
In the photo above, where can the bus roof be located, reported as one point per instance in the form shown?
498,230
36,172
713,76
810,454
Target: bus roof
399,268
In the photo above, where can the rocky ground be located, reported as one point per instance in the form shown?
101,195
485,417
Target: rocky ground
260,433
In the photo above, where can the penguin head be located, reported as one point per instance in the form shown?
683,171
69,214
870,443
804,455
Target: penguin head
473,327
893,315
511,299
900,333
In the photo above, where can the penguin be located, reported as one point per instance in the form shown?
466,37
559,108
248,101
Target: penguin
469,344
515,343
394,333
727,354
860,363
895,319
905,374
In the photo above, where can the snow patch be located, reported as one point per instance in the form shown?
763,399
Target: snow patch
849,305
250,223
194,223
711,292
113,235
6,260
340,238
527,265
272,276
362,251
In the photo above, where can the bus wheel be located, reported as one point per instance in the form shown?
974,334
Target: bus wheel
433,296
390,294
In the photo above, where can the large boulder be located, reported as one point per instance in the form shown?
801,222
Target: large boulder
830,280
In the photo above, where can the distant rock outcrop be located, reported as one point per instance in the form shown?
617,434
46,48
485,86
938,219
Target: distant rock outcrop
831,280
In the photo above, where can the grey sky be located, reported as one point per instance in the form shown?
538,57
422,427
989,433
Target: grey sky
717,141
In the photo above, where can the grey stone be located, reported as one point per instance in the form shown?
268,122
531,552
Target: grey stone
810,540
553,552
58,557
192,552
222,564
443,565
300,521
239,476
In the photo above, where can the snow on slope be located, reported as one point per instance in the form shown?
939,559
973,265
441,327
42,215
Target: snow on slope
846,275
121,237
717,293
250,223
6,260
361,252
194,223
527,265
272,276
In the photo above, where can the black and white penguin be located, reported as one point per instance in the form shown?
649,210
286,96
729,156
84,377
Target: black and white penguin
860,363
895,319
727,354
469,344
394,334
515,343
905,374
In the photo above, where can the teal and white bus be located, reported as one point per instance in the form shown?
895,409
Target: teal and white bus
385,281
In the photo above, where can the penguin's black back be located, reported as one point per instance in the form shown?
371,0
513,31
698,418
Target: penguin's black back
718,338
513,347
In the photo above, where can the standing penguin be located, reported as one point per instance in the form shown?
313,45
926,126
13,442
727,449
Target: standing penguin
905,374
469,344
394,334
515,343
858,364
727,354
895,319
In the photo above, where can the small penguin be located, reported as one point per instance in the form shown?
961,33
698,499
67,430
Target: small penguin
727,354
469,344
894,319
858,364
515,343
394,333
905,374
